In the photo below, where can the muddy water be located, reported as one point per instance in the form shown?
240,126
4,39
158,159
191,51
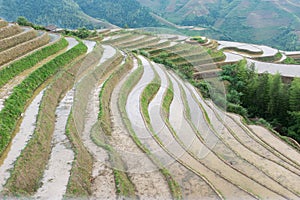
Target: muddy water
56,176
20,140
231,57
279,172
90,45
163,132
148,181
283,176
276,143
274,68
226,153
174,148
72,42
261,146
189,182
104,185
108,53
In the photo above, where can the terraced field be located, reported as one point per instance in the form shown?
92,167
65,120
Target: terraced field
102,120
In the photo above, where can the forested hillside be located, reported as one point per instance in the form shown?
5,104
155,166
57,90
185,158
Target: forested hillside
119,12
74,14
273,23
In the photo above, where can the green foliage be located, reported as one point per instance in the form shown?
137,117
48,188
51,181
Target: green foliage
29,61
264,96
186,71
294,99
15,105
199,40
22,21
147,95
119,12
63,13
290,60
294,128
81,33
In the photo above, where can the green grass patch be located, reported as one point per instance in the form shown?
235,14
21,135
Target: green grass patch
274,58
199,39
168,98
147,95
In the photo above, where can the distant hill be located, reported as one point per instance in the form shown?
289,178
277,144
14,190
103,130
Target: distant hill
276,22
79,13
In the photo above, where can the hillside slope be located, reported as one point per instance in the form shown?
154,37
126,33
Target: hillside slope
274,23
74,14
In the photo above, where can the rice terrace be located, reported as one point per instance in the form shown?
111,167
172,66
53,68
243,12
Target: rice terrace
134,114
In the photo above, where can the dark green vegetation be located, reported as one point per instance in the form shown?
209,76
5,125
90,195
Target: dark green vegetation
122,13
78,13
264,96
81,33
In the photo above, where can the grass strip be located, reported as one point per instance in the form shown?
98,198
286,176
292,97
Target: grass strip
19,66
29,167
79,185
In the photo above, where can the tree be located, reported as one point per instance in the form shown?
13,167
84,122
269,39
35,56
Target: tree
275,83
294,99
22,21
294,128
261,98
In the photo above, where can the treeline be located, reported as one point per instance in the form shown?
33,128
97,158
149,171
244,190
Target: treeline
264,96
